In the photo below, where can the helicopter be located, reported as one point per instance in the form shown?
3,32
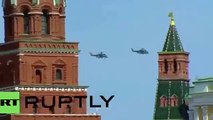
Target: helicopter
141,51
99,55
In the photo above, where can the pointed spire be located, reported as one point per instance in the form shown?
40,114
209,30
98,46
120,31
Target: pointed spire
172,23
172,43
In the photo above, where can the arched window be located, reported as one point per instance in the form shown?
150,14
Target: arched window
175,65
165,66
58,74
174,101
26,23
45,22
163,101
38,76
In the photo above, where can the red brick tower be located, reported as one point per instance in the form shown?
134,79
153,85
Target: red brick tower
173,80
36,60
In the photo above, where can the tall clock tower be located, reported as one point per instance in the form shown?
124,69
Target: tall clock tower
173,81
35,60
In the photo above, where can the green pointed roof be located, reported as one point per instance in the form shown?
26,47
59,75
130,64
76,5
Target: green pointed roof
172,43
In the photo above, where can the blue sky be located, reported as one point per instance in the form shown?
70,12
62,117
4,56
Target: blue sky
116,26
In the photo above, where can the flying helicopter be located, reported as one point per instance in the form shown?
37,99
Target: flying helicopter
99,55
141,51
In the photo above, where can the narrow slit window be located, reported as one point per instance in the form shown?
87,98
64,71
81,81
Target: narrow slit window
45,23
165,66
26,23
175,65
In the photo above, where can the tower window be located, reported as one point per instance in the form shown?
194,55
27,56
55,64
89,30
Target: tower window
58,74
163,101
38,76
174,101
26,23
165,66
45,22
175,65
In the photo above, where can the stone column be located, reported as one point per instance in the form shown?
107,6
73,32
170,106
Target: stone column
191,114
196,114
205,112
17,24
35,23
53,22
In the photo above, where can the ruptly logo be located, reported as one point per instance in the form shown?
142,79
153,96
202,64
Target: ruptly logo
9,102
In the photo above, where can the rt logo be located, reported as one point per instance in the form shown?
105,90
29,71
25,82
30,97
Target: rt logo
9,102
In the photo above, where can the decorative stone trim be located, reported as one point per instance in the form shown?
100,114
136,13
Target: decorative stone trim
74,115
43,50
62,15
53,51
45,88
76,55
54,13
17,14
30,13
49,89
13,14
50,46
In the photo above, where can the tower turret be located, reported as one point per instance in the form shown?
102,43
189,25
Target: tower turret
173,81
173,60
35,60
34,19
